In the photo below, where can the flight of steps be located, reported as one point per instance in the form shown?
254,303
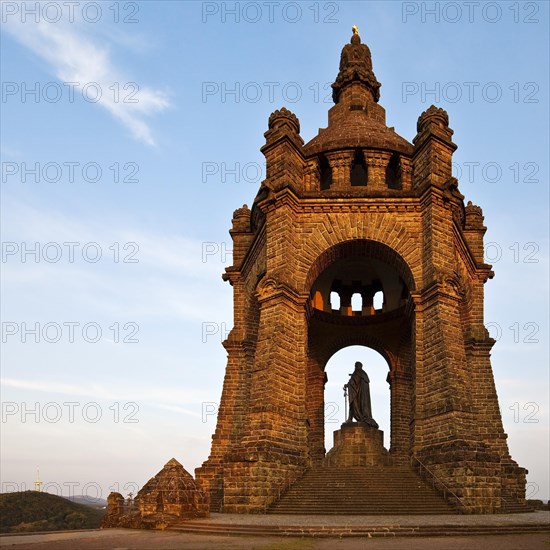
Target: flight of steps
511,507
361,490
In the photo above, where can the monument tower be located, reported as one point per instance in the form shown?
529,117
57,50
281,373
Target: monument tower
359,209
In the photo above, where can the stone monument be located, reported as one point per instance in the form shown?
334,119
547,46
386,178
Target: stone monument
358,443
359,210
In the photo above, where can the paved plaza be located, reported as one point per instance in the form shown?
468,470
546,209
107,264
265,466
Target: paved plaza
128,539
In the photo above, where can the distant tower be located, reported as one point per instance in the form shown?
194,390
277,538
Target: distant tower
37,483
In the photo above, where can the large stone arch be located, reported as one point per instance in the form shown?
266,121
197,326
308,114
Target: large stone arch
342,342
361,248
368,231
388,333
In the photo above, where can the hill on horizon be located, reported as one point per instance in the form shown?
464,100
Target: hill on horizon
29,511
88,501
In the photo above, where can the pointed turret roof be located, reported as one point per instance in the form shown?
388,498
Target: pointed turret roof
356,119
355,65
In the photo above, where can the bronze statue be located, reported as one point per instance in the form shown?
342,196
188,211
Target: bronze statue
359,397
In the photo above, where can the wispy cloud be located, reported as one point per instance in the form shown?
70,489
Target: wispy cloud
160,397
76,58
169,280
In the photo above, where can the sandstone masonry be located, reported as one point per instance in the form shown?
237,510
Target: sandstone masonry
359,210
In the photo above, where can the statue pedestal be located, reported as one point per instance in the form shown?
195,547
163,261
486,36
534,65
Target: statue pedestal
357,444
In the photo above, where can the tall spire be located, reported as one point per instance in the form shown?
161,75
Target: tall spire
355,65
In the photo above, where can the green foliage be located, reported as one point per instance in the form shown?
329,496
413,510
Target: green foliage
29,511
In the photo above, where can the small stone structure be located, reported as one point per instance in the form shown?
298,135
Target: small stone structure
118,514
166,499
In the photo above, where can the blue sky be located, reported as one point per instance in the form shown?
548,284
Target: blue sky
142,122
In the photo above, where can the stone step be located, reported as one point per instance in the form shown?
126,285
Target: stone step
361,512
516,508
375,497
331,505
359,509
361,490
374,503
289,526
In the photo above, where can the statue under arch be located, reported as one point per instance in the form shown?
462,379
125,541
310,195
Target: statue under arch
358,391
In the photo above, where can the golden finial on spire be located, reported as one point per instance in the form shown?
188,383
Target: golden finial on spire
355,29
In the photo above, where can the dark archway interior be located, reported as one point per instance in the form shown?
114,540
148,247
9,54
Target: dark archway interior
356,281
356,278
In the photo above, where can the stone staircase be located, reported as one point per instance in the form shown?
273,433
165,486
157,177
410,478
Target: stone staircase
367,490
514,507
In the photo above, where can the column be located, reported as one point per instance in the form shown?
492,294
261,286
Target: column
340,164
406,173
312,175
377,162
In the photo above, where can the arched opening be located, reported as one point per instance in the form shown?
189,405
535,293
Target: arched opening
361,249
356,302
326,173
378,300
393,173
366,269
338,369
359,173
359,287
334,301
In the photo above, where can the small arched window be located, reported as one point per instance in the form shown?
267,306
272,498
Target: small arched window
356,302
326,173
393,173
359,171
378,300
335,301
